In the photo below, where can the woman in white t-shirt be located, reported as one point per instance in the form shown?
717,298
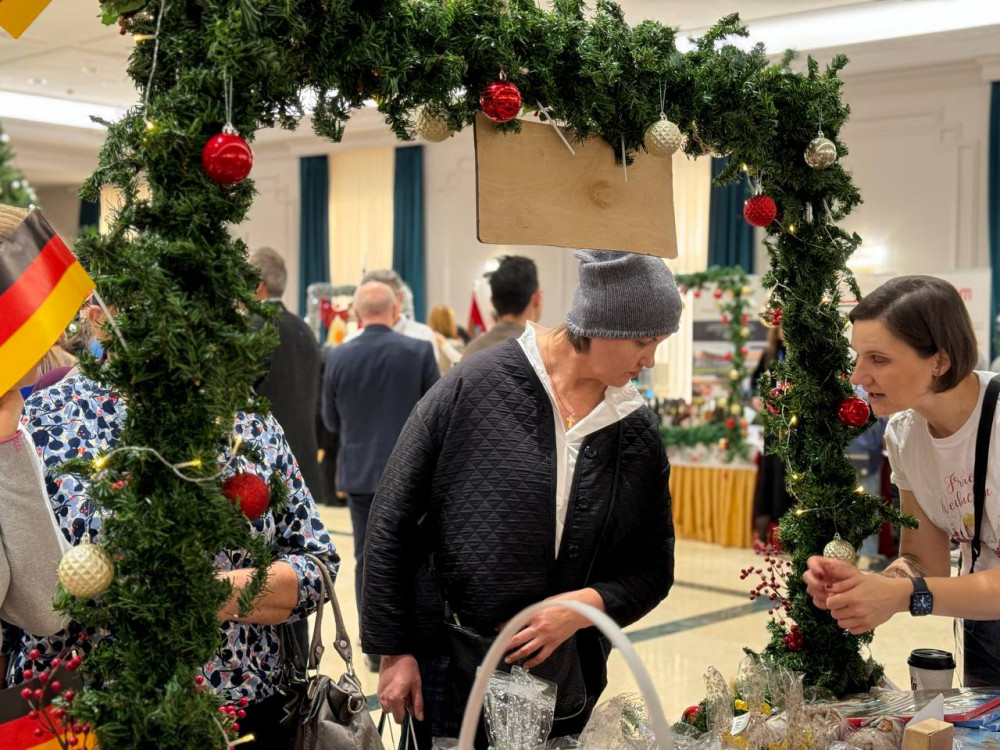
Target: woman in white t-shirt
916,351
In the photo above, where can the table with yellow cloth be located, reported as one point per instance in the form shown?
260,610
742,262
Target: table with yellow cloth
714,503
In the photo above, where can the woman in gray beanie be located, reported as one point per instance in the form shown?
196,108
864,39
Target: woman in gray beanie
534,470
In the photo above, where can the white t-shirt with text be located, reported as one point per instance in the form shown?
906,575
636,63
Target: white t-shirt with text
939,471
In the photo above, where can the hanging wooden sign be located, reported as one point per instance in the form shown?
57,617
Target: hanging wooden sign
533,191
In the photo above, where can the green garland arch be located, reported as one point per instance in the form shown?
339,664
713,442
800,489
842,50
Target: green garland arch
181,284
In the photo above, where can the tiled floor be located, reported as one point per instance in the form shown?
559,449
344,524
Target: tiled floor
706,621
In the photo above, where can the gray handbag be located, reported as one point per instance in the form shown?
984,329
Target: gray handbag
324,714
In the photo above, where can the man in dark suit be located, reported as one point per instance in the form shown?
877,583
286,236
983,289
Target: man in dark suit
370,386
291,383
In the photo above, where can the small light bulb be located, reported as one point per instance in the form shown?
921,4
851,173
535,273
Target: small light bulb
99,462
794,420
745,168
150,125
800,511
859,490
791,229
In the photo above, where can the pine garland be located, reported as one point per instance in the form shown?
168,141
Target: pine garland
182,285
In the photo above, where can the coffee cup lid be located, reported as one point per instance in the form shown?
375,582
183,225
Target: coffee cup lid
931,658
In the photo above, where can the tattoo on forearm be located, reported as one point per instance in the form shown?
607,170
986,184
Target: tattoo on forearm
905,566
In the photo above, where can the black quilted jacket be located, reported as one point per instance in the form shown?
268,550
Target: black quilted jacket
473,477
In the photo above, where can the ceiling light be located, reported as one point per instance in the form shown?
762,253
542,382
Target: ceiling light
48,109
38,81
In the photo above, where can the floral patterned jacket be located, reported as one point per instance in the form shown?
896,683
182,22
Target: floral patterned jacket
78,417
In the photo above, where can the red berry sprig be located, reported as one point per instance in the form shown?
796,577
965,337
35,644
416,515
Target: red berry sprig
48,703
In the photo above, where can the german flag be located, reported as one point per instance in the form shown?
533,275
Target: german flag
17,15
42,286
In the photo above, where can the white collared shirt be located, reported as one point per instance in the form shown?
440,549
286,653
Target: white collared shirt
618,403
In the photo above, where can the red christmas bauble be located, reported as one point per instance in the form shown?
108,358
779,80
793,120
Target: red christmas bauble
727,356
717,293
776,317
501,101
690,715
730,424
250,492
853,412
775,394
697,292
760,210
227,158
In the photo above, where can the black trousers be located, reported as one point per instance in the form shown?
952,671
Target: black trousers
361,507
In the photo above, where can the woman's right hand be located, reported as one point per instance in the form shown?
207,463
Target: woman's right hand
821,573
399,687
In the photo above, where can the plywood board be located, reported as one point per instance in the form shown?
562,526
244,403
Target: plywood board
533,191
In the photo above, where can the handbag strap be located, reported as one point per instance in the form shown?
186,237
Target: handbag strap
982,461
343,642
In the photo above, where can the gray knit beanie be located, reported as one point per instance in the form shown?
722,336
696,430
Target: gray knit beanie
624,296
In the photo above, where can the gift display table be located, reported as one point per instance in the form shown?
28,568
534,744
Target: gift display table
714,502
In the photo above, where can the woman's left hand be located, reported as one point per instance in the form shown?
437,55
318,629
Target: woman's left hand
547,630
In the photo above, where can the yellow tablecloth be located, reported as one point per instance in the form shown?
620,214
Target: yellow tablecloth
714,503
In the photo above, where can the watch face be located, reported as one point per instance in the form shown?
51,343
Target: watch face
921,603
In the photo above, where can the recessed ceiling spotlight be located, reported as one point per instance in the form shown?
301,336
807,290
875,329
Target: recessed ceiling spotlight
90,69
38,81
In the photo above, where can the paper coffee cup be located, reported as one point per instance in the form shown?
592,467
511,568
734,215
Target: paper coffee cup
931,669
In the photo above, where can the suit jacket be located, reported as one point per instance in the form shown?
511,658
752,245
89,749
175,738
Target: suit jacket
370,386
291,384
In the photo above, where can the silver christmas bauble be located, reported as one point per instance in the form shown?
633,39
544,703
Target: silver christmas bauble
820,153
432,126
838,549
86,570
662,138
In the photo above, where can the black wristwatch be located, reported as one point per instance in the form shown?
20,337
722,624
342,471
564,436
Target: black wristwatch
921,600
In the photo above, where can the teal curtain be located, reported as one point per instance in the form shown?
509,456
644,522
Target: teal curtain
730,237
314,221
408,224
994,198
90,214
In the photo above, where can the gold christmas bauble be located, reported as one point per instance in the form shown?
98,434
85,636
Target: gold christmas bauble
735,409
432,126
734,374
86,570
744,332
662,138
745,291
838,549
820,153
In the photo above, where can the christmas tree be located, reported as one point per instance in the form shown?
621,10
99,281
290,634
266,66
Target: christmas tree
14,187
213,72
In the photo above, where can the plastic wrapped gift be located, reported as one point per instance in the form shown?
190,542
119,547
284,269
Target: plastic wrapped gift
619,724
520,709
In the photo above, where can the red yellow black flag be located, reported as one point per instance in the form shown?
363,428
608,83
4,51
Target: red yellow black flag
42,286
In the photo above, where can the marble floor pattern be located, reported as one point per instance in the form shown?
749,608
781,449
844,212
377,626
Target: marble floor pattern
706,620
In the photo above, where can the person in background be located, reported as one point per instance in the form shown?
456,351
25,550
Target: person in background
771,499
532,471
404,323
291,382
449,345
517,299
370,385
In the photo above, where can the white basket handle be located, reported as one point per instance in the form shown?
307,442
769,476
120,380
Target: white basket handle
470,721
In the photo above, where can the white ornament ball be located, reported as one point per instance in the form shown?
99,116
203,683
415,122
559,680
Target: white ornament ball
838,549
431,126
662,138
86,570
735,409
820,153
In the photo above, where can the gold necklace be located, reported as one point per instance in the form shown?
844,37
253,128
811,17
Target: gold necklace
571,419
